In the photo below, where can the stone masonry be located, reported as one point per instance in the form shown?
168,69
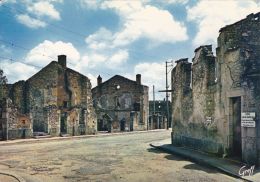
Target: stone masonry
121,104
57,100
211,94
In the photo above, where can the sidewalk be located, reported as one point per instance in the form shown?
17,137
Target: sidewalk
226,166
99,134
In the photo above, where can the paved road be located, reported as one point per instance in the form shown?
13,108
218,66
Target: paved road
106,158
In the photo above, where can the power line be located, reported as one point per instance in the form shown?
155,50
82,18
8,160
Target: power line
11,44
56,26
15,60
134,53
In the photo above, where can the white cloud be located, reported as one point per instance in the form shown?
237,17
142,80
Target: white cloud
117,59
44,8
90,4
183,2
111,60
36,12
138,21
57,1
8,1
147,21
46,51
17,71
93,80
152,74
93,60
212,15
29,21
100,40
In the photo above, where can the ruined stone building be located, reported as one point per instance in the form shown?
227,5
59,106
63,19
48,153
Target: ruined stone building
158,114
121,104
57,100
216,100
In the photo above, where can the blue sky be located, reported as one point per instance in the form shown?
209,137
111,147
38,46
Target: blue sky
111,37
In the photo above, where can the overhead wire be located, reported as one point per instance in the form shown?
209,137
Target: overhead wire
134,53
40,53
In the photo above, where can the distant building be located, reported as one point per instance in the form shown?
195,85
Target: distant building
216,100
121,104
158,114
57,100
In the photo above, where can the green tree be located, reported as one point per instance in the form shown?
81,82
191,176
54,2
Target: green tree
3,82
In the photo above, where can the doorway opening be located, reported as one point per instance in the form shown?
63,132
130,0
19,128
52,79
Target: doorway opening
236,123
122,125
63,124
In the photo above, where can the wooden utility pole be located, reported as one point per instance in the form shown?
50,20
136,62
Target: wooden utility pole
167,63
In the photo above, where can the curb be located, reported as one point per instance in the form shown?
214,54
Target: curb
200,161
33,140
18,178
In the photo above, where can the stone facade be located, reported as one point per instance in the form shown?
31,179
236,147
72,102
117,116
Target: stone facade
57,99
121,104
211,93
13,124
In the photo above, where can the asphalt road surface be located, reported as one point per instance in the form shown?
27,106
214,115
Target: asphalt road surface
105,158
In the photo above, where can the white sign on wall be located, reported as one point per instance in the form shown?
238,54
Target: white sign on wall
248,119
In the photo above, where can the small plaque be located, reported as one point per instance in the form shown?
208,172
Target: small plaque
248,119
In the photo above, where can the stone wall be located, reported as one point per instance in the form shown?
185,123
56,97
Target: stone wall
42,92
124,102
13,124
70,93
81,100
210,95
238,76
57,99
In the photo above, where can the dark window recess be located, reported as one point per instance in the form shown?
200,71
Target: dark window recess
136,106
117,102
65,104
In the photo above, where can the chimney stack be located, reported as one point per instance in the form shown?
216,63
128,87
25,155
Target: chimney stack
99,80
138,79
62,60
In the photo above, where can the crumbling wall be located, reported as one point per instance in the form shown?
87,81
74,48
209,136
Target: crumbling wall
119,98
181,94
42,92
13,124
17,95
221,92
81,99
238,64
52,117
208,130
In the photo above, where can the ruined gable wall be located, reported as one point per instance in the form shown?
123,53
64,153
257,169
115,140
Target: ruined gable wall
238,66
17,94
81,98
209,128
203,84
181,96
181,100
194,122
118,103
42,93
